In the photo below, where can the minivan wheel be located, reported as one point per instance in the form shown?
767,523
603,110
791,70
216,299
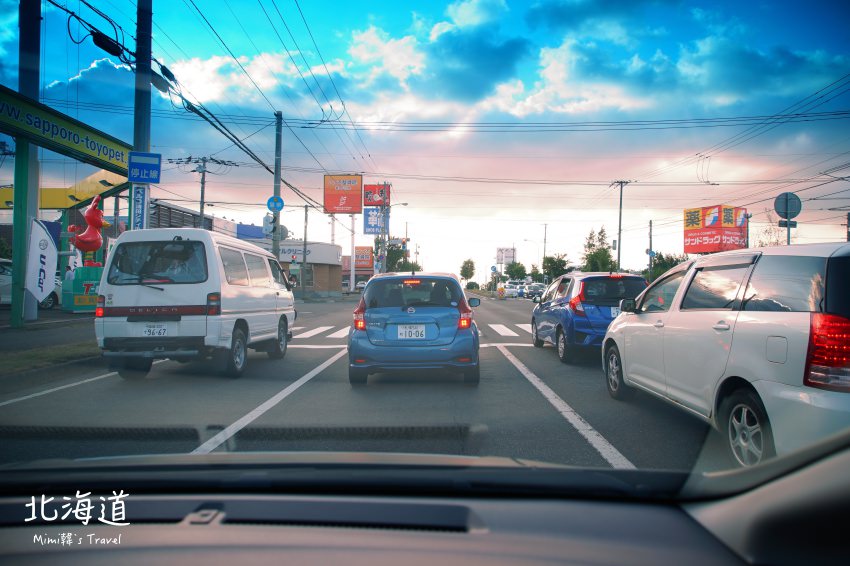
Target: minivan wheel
357,377
278,348
746,429
237,356
538,343
133,369
617,389
563,348
49,302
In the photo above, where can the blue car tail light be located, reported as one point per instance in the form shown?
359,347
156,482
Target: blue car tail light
575,302
360,315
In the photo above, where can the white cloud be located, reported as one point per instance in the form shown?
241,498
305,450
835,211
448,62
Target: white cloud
465,13
399,58
439,29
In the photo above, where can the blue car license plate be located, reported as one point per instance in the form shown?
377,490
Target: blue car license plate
411,331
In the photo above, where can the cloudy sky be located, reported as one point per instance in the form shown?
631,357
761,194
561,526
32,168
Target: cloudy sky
491,118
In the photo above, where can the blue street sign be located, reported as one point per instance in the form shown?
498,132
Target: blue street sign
143,167
372,223
275,204
493,268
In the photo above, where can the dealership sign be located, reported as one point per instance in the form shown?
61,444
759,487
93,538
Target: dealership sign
715,228
374,222
41,266
363,258
343,194
376,195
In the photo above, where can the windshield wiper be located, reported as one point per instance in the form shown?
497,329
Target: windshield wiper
140,282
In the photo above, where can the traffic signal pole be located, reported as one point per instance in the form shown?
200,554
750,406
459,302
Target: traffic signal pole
278,121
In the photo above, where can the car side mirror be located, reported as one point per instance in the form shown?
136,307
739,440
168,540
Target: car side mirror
474,301
627,305
536,299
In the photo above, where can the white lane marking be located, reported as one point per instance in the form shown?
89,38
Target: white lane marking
339,333
526,327
313,332
294,328
503,330
504,344
318,346
61,387
261,409
605,448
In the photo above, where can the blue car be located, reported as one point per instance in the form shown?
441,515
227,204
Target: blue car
576,309
413,321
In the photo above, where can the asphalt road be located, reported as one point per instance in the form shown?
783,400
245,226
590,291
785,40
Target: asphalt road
527,405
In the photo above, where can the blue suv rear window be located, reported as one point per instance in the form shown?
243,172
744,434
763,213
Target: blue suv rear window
413,291
607,291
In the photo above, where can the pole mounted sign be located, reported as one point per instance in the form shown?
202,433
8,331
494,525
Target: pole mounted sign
275,204
144,167
343,194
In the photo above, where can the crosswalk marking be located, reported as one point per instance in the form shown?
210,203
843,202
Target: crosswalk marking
313,332
339,333
526,327
294,328
503,330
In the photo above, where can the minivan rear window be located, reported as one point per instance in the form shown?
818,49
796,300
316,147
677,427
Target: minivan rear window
413,291
161,262
608,291
786,284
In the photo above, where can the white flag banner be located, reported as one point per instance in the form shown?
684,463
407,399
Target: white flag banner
41,264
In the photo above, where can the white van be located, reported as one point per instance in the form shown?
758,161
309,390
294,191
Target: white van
187,293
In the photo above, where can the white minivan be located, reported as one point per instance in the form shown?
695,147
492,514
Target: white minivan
187,293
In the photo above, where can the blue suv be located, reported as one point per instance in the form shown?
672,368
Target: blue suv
576,309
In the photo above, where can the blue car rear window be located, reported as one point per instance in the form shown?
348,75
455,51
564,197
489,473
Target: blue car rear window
609,290
413,291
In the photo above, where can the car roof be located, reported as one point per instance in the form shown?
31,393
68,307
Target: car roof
816,250
190,234
405,274
583,274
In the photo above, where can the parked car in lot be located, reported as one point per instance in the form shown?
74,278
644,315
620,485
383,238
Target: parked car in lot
420,321
49,302
510,291
186,293
576,309
755,342
360,285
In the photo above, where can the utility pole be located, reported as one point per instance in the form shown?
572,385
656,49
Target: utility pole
142,106
278,120
25,192
848,226
620,222
352,274
304,256
748,216
202,168
650,251
545,226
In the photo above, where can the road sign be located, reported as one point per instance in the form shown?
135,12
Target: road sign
787,205
143,167
787,223
275,204
493,268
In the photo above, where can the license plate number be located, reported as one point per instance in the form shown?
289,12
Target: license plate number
411,331
615,312
155,330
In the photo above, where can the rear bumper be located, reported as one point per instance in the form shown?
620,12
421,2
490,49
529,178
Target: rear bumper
156,348
462,353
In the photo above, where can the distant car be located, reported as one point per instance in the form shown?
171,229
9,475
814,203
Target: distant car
755,342
520,291
534,290
360,285
576,309
510,291
420,321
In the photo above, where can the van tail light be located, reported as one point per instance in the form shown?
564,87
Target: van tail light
575,302
828,359
101,302
213,304
465,320
360,315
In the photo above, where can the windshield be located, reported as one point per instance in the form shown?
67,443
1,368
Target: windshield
358,231
161,262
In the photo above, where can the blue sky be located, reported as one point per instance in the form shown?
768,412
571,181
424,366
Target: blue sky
484,62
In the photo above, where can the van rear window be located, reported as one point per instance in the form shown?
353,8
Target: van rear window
161,262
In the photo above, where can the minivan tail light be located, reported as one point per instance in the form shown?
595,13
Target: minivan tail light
213,304
575,302
360,315
101,302
465,320
828,359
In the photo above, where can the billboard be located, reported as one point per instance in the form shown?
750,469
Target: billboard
373,223
343,194
716,228
376,195
363,258
505,255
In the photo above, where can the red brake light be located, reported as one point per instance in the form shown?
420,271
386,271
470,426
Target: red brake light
98,311
412,281
213,304
616,276
828,359
575,302
360,315
465,320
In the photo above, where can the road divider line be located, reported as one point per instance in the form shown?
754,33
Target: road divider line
313,332
264,407
526,327
605,448
61,387
503,330
495,344
339,333
318,346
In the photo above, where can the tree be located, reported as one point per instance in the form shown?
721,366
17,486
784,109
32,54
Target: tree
556,265
407,266
471,285
661,263
536,276
467,270
515,270
597,252
772,234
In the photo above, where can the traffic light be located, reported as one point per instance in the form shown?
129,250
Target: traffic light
268,225
404,243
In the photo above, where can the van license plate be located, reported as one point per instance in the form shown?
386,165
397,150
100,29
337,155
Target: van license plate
411,331
155,330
